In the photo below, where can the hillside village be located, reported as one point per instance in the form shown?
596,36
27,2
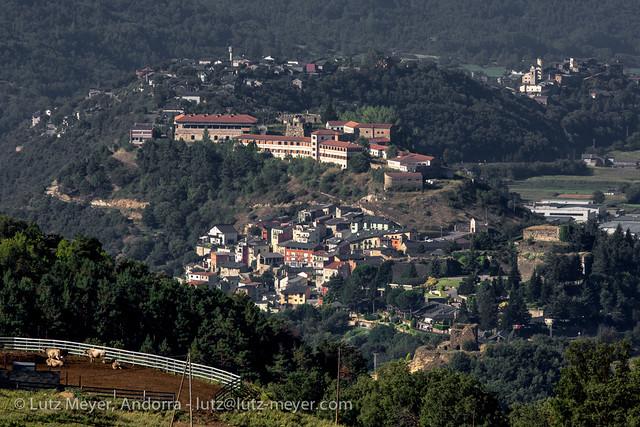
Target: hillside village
288,261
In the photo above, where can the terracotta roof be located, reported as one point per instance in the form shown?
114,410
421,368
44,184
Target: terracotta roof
274,138
352,124
378,147
216,118
375,125
325,132
336,123
413,158
334,265
341,144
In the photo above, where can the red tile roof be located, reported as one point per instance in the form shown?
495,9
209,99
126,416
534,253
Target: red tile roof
335,265
352,124
378,147
375,125
217,118
325,132
274,138
413,158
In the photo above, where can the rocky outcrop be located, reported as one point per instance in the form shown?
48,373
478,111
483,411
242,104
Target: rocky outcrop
426,358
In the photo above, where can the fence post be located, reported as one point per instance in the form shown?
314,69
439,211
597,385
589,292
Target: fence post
114,393
144,395
80,381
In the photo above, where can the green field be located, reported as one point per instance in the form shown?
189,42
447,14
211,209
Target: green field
493,72
450,282
542,187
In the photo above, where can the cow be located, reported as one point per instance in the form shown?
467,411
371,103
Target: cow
116,365
94,353
54,353
55,363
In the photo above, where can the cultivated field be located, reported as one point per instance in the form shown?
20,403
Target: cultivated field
603,179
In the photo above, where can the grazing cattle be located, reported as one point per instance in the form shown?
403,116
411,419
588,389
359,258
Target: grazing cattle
55,363
54,353
94,353
116,365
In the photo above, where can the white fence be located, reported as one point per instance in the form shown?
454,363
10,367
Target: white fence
166,364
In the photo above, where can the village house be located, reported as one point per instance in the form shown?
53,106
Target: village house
306,234
374,130
199,278
411,162
295,295
247,251
219,257
373,223
231,269
297,254
335,125
140,133
335,269
377,150
219,127
223,234
437,317
268,260
280,234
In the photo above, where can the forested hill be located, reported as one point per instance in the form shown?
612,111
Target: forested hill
58,45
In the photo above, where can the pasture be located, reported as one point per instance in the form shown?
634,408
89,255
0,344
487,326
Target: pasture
602,179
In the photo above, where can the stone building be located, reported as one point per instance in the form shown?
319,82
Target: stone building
542,233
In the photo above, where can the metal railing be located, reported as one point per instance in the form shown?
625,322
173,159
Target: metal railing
166,364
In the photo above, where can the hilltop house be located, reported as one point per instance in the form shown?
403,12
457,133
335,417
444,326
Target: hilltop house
192,127
411,162
140,133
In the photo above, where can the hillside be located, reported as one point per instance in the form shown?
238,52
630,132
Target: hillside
97,39
153,203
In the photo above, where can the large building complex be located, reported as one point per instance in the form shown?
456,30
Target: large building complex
323,146
220,127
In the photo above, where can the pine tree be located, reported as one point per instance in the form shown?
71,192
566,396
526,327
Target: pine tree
516,311
534,287
487,306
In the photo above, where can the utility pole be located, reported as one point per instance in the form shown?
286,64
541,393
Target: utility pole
173,415
338,387
190,402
